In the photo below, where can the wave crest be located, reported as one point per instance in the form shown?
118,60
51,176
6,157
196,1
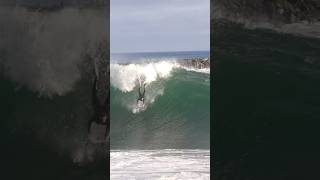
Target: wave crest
127,77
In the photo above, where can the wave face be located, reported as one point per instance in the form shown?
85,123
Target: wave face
176,111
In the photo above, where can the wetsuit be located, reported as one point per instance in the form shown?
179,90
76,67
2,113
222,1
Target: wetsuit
141,95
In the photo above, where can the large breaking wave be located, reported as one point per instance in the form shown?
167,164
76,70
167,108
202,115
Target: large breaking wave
127,78
177,105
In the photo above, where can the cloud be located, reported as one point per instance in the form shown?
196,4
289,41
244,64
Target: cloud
167,25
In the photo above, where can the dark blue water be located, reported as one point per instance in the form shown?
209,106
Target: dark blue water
156,56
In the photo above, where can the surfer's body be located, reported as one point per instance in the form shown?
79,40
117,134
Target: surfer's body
141,94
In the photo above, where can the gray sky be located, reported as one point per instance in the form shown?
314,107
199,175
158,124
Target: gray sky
159,25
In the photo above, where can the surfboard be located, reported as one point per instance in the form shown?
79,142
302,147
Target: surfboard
140,104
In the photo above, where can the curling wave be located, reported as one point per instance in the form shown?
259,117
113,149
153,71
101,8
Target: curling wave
127,78
177,106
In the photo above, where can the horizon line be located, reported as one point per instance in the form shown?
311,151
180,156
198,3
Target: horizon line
124,52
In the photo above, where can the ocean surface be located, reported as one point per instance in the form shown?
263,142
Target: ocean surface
156,56
160,164
176,116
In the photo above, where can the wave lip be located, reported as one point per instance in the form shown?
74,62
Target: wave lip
201,65
126,77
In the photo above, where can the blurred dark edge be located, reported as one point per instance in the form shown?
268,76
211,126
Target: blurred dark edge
264,124
54,4
18,159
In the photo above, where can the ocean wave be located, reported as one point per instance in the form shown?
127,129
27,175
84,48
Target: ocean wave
176,113
126,77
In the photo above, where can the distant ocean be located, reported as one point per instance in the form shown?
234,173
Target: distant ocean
156,56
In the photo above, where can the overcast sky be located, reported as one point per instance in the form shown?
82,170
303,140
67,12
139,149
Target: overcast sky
159,25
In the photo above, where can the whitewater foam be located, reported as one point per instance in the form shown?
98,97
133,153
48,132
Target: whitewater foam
126,77
203,70
166,164
129,77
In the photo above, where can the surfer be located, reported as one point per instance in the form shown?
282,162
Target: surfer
141,95
98,123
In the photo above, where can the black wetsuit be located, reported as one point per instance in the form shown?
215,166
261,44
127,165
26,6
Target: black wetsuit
101,111
141,95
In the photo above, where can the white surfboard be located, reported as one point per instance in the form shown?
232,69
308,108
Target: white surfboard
140,106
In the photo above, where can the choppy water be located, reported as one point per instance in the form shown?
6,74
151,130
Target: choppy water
167,164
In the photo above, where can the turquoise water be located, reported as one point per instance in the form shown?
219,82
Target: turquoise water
177,105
